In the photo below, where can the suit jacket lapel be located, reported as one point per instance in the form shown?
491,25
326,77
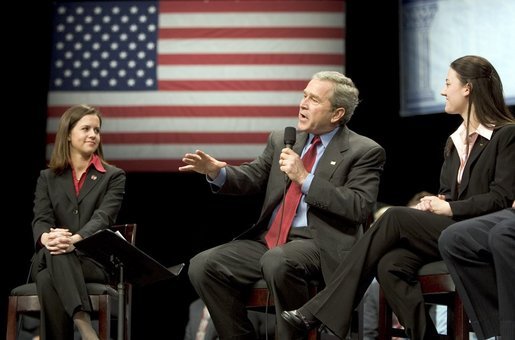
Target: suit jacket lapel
93,177
66,182
333,154
477,149
302,138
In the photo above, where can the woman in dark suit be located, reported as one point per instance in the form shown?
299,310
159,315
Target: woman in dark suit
78,195
477,178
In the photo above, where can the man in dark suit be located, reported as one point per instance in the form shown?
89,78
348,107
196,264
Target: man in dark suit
337,198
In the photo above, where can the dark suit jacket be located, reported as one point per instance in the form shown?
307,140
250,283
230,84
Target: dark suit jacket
96,207
488,183
341,197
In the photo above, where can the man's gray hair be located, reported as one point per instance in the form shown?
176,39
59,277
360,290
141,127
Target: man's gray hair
345,93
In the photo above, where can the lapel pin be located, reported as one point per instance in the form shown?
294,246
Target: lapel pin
93,177
333,162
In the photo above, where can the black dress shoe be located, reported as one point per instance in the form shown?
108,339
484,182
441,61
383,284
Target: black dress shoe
299,321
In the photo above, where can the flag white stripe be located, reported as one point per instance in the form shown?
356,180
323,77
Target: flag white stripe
251,20
176,98
175,151
245,45
242,72
203,124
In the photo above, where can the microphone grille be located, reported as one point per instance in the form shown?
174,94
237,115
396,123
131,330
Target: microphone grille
290,135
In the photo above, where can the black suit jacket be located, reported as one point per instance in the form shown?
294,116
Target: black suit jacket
96,207
341,197
488,183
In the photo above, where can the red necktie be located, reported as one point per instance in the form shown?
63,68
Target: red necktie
280,227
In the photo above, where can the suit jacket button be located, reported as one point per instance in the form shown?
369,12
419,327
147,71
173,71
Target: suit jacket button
75,211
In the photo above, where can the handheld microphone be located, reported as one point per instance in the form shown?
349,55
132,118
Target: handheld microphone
290,135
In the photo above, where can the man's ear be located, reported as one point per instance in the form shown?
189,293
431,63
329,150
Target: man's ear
338,115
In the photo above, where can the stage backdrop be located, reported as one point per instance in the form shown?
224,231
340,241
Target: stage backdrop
435,32
174,76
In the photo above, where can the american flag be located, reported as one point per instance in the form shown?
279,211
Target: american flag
171,77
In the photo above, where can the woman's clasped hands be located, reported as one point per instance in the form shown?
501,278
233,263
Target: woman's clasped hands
59,241
435,204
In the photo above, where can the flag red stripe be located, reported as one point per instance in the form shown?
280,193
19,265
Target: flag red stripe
180,138
272,32
251,59
249,6
188,111
232,85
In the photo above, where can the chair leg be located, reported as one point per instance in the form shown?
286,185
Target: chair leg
313,334
461,323
385,318
104,312
12,319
